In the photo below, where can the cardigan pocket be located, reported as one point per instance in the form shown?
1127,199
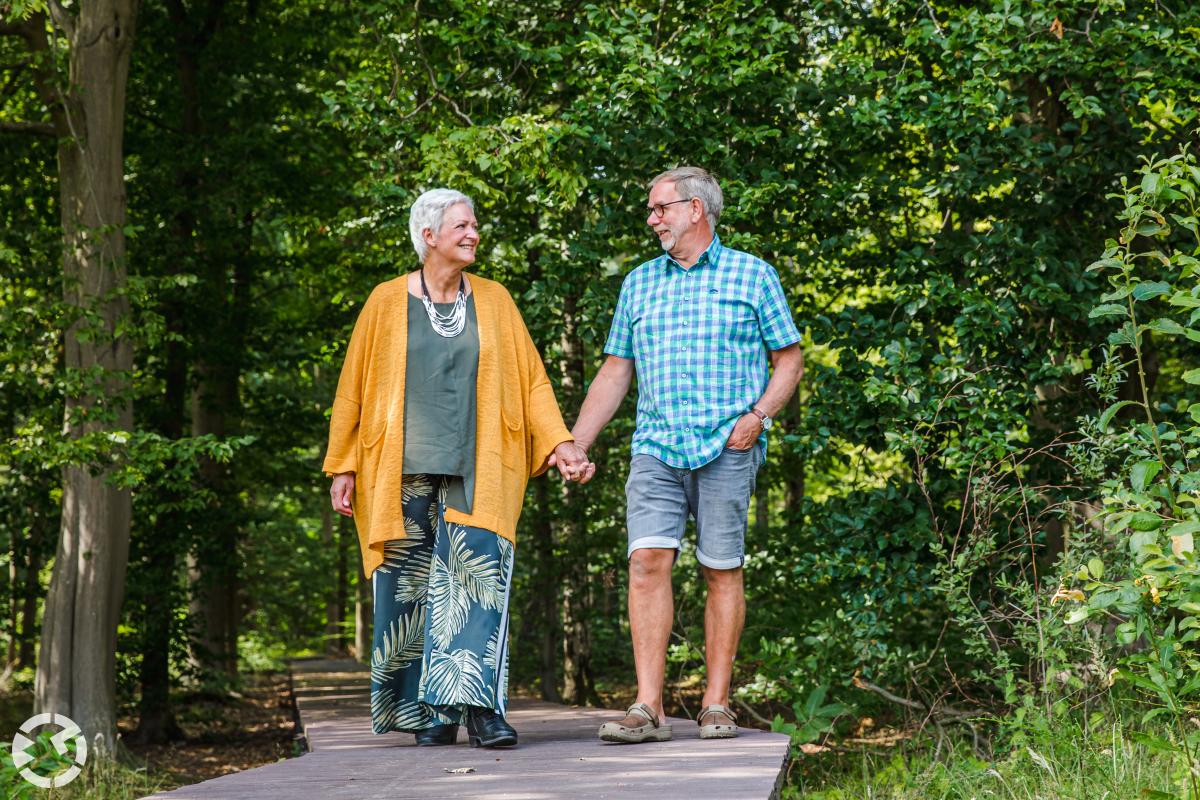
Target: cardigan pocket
371,444
512,449
370,431
369,463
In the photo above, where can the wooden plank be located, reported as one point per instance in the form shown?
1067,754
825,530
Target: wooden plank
559,756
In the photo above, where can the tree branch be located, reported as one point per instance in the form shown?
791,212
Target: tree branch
36,128
64,19
211,20
757,716
942,711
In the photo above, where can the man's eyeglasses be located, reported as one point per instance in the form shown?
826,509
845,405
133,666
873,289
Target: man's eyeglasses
659,209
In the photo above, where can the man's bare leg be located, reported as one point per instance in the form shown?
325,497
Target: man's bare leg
651,610
724,616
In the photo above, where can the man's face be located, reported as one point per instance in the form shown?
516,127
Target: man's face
676,220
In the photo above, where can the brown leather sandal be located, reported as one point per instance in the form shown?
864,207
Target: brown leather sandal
651,731
721,723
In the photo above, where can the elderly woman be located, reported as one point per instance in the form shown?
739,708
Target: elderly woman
443,412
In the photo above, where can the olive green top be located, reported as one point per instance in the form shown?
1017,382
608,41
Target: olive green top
439,401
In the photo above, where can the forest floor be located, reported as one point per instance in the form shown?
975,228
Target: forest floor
253,727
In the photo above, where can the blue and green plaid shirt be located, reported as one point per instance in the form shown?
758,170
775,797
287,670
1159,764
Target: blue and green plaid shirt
699,339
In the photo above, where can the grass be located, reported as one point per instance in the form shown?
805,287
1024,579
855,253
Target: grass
1063,761
101,779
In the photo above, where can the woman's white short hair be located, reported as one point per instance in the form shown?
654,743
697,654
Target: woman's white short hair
695,182
428,212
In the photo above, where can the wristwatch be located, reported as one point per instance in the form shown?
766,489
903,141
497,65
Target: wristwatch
763,418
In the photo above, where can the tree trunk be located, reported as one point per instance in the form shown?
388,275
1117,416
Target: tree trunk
343,592
162,548
14,607
332,609
75,673
156,720
544,601
213,564
363,599
40,530
578,686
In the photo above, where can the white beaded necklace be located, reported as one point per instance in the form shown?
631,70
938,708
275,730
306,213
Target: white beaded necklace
446,325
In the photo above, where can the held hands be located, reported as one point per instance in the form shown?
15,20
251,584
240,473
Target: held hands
341,494
745,432
572,462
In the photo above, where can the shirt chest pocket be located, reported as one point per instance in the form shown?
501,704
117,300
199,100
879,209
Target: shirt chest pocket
730,312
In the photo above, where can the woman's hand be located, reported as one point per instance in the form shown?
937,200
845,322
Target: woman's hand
341,494
572,462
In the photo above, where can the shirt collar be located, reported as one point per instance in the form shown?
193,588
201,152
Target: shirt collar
711,255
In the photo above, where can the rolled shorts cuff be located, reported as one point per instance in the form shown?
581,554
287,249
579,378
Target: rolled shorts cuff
718,563
655,542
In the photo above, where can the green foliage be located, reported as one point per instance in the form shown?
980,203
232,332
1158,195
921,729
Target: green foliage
814,718
930,180
1151,595
1065,759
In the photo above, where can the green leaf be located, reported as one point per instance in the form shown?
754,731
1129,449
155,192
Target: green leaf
1105,263
1185,300
1140,540
1154,743
815,698
1192,376
1165,325
1142,473
1077,615
1111,411
1145,291
1180,528
1096,568
1145,521
1107,310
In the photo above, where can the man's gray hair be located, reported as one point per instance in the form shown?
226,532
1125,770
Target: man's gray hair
695,182
428,212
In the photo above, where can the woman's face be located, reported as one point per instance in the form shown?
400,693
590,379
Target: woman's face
455,243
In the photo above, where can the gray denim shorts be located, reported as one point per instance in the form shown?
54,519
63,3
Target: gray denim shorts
660,498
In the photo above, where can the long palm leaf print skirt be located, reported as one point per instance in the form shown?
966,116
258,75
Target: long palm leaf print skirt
441,617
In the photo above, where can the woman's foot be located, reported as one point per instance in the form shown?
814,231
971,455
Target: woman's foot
437,735
486,728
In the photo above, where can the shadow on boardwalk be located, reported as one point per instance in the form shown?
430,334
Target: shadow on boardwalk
559,756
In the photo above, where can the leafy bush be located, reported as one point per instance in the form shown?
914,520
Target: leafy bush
1148,600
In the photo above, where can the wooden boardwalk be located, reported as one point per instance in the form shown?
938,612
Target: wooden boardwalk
559,756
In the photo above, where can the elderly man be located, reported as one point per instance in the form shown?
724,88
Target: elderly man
697,324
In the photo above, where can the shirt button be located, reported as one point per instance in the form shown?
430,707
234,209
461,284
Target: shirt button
684,347
683,374
685,402
687,430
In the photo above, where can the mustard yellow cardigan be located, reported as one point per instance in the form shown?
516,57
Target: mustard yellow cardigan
517,423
